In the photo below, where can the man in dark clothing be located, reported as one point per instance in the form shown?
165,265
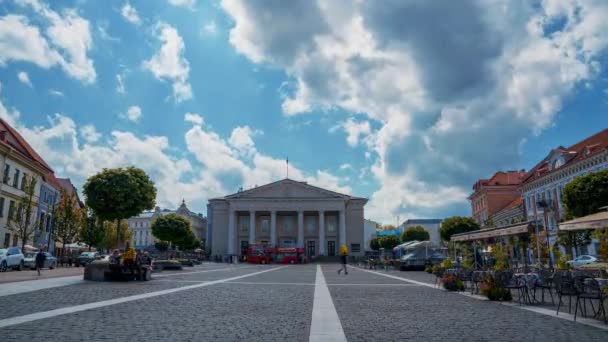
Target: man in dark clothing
40,259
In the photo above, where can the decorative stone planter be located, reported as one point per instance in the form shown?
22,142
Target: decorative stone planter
95,271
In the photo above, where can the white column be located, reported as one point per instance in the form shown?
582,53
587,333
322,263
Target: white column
273,228
321,233
300,228
231,231
251,227
342,231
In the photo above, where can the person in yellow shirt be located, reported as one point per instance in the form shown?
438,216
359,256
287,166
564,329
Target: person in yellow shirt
343,256
129,258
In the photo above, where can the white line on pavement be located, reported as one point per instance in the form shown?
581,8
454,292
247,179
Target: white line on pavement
7,289
538,310
63,311
373,285
255,283
195,272
325,324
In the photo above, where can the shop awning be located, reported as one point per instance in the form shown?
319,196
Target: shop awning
593,221
515,229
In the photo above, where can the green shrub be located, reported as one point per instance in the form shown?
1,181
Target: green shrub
428,269
452,283
493,291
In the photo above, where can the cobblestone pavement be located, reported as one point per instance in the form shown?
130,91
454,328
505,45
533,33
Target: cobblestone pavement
12,276
218,302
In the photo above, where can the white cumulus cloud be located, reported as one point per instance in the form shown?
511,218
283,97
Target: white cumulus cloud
24,78
169,62
130,14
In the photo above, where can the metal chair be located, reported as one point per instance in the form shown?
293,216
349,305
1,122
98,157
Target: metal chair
544,283
509,281
564,286
589,289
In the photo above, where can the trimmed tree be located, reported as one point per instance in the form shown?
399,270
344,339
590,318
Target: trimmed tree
456,225
161,246
117,194
374,243
574,239
174,229
415,233
68,217
389,242
586,194
20,220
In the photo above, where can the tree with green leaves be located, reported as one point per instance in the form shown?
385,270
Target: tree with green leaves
573,240
117,194
92,230
456,225
415,233
374,243
20,220
68,218
110,232
174,229
161,246
389,242
586,194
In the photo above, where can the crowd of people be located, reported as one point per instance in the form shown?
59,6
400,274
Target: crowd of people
137,264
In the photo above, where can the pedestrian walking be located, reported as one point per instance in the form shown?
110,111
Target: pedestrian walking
40,259
343,256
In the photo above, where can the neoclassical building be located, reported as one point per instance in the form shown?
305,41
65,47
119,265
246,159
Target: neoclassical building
140,225
286,213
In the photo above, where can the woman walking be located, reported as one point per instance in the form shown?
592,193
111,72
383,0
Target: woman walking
40,259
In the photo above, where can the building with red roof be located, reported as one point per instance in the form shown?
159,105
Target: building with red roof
493,194
543,185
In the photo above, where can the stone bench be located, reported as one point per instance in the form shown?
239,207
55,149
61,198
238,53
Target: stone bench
99,270
160,265
96,270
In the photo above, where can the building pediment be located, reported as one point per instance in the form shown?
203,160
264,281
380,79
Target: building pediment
287,188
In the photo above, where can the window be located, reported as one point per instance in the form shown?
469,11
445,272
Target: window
288,225
7,239
15,239
331,248
11,208
558,163
41,222
355,247
48,223
1,206
7,171
310,248
331,224
265,225
244,224
23,181
16,178
310,225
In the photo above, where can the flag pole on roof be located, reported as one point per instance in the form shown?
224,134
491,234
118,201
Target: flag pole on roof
287,161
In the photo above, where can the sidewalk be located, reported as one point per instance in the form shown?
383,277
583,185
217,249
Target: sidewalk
25,275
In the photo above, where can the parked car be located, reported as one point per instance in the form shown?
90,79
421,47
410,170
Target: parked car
11,258
86,258
30,261
582,260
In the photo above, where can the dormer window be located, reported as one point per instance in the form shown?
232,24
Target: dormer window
558,163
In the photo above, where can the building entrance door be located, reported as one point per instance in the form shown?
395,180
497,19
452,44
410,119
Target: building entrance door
310,248
331,248
244,245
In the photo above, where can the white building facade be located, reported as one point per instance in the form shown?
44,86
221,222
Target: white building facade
543,186
286,213
19,164
369,231
140,225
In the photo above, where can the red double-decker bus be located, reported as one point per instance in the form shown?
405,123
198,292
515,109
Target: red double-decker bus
259,253
289,255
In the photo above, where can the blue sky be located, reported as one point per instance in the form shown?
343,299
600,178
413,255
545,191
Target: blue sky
405,103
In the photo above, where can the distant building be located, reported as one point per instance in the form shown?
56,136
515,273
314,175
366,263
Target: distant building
369,232
430,225
287,213
49,198
491,195
140,225
19,162
543,185
512,213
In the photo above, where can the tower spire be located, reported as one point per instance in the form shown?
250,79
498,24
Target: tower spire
287,169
